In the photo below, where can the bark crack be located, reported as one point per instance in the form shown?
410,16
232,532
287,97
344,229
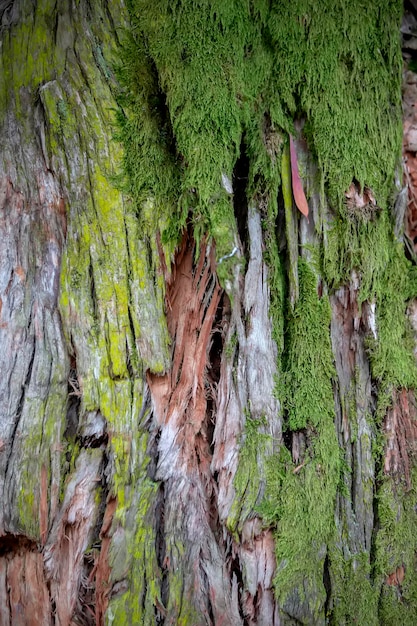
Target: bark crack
20,405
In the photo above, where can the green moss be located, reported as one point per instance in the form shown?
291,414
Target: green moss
366,251
200,78
340,65
38,447
28,512
309,372
301,501
354,598
391,355
135,559
249,479
396,547
132,553
190,90
181,602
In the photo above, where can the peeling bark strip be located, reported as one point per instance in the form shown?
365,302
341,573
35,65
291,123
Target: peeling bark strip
100,575
227,581
44,587
180,397
400,428
193,549
227,578
24,596
70,535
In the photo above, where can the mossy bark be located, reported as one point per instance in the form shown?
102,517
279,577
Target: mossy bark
207,399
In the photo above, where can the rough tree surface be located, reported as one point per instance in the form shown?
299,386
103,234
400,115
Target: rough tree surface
208,313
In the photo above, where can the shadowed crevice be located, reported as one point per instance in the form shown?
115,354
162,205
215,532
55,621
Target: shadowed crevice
240,201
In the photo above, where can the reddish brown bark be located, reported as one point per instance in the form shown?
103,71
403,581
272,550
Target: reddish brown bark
180,396
100,576
24,596
181,400
400,428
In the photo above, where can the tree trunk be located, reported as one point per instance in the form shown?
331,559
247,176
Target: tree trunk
208,297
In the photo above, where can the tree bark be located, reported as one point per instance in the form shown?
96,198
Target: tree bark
207,396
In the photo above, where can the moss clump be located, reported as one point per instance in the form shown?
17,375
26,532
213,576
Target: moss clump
249,480
367,251
354,598
392,354
339,64
200,78
193,77
307,383
300,501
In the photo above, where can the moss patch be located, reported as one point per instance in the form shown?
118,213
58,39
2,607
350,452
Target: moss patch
300,501
249,479
199,77
354,596
340,65
368,250
396,547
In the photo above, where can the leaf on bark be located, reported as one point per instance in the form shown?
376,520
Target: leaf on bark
297,185
396,577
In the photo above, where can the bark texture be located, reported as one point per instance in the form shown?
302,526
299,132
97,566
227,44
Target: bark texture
207,406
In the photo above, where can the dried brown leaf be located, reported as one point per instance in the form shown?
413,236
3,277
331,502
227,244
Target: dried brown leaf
297,185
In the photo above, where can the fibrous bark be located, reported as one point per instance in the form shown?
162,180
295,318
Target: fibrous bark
207,399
